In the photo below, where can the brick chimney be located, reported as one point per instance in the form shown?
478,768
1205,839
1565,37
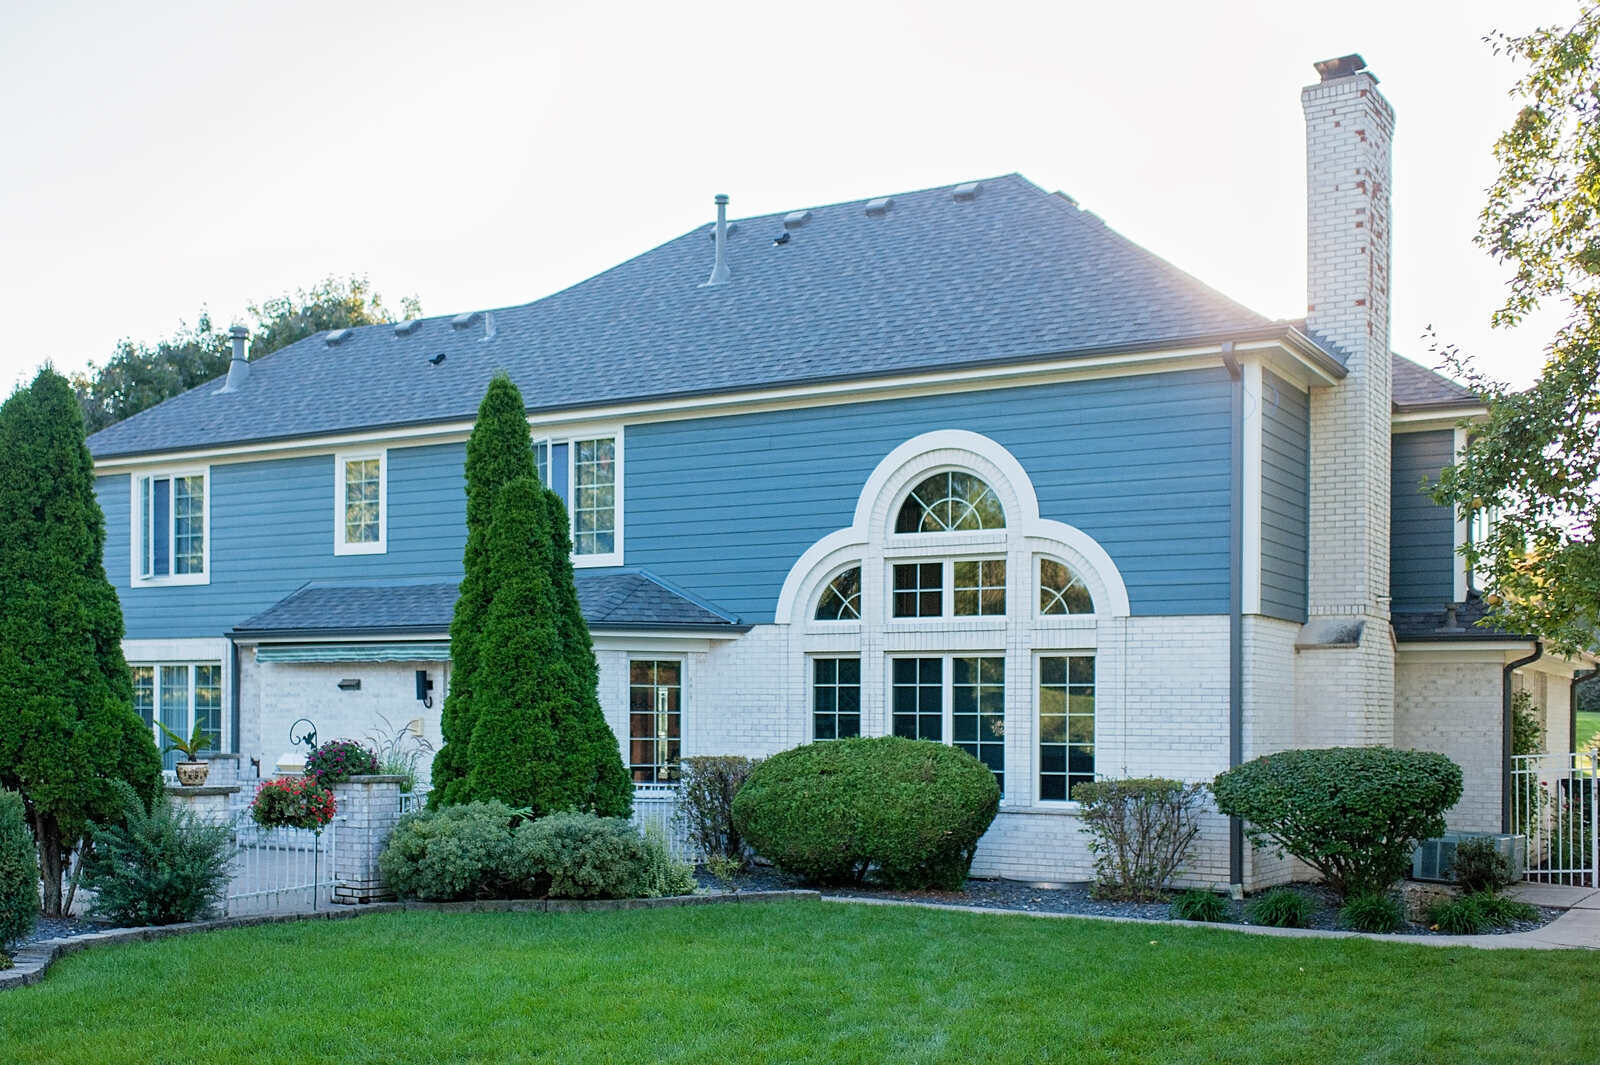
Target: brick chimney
1349,133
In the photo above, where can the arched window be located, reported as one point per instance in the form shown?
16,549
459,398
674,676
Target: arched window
841,599
1061,591
951,501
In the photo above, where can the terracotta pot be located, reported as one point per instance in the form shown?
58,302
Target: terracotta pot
192,774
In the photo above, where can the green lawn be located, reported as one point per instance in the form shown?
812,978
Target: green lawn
794,982
1588,725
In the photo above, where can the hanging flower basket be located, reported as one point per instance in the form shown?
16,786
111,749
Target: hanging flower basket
292,802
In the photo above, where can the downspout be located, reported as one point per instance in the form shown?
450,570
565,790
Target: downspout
1505,732
233,654
1572,705
1235,604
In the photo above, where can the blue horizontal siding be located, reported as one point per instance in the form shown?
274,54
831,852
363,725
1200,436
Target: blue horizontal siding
1285,498
1422,558
272,531
724,506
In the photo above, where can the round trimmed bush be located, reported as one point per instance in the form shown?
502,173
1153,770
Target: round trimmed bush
19,871
1353,814
457,852
908,811
582,856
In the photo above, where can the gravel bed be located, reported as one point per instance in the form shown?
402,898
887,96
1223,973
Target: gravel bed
1064,898
56,927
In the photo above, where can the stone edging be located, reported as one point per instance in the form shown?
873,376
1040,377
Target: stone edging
30,964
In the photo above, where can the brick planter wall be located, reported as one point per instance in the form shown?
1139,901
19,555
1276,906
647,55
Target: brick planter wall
367,810
212,803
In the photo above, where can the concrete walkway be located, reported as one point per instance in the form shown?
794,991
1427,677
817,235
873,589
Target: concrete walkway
1576,929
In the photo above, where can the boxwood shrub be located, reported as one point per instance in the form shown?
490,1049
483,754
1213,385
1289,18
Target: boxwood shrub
908,811
581,856
1354,814
458,852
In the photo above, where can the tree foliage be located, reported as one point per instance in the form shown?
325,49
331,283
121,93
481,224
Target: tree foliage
522,720
68,730
140,375
1535,464
499,451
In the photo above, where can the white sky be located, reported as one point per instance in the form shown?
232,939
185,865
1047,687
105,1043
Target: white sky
160,156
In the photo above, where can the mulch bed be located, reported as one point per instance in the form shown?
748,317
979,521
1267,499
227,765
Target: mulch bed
1065,899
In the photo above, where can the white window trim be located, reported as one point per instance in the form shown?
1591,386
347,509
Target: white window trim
810,678
136,578
341,546
947,562
155,665
570,439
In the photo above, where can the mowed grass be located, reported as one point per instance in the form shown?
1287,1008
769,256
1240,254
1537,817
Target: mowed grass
1588,728
794,982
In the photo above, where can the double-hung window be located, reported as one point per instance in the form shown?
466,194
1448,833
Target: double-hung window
360,503
181,697
586,472
170,527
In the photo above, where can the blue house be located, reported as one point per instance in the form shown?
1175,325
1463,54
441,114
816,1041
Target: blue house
961,464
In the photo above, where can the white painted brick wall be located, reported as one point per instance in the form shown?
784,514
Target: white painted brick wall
1450,703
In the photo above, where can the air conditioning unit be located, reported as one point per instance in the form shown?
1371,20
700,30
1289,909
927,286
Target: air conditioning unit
1434,859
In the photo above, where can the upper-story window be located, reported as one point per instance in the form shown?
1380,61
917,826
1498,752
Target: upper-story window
978,586
360,503
1062,591
586,472
841,599
170,524
950,501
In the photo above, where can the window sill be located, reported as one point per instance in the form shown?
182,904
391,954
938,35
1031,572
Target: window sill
180,580
596,561
379,548
1050,809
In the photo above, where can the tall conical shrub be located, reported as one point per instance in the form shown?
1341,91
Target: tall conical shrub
67,724
604,784
498,452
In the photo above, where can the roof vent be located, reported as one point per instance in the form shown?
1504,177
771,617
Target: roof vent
239,368
338,336
796,219
879,207
488,326
719,267
967,190
406,328
462,321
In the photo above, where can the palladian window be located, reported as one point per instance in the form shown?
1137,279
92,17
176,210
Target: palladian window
951,501
1062,591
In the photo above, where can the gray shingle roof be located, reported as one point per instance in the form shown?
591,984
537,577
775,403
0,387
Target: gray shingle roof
1430,626
615,599
1417,387
934,282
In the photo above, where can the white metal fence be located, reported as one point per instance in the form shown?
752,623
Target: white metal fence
658,806
280,869
1555,802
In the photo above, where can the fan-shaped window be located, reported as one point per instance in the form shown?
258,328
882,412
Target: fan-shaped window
1061,591
841,599
952,501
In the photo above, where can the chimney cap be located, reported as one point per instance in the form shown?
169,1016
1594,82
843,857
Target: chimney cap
239,331
1343,67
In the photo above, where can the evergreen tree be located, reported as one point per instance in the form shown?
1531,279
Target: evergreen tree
525,683
67,725
597,762
499,451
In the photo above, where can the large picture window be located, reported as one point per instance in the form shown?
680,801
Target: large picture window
170,511
956,699
360,506
655,720
179,696
1066,724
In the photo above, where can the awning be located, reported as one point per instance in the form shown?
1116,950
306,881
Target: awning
431,651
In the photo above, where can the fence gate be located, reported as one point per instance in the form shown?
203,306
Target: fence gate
1555,802
280,869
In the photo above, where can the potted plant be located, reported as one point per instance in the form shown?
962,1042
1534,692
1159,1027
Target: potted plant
191,772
